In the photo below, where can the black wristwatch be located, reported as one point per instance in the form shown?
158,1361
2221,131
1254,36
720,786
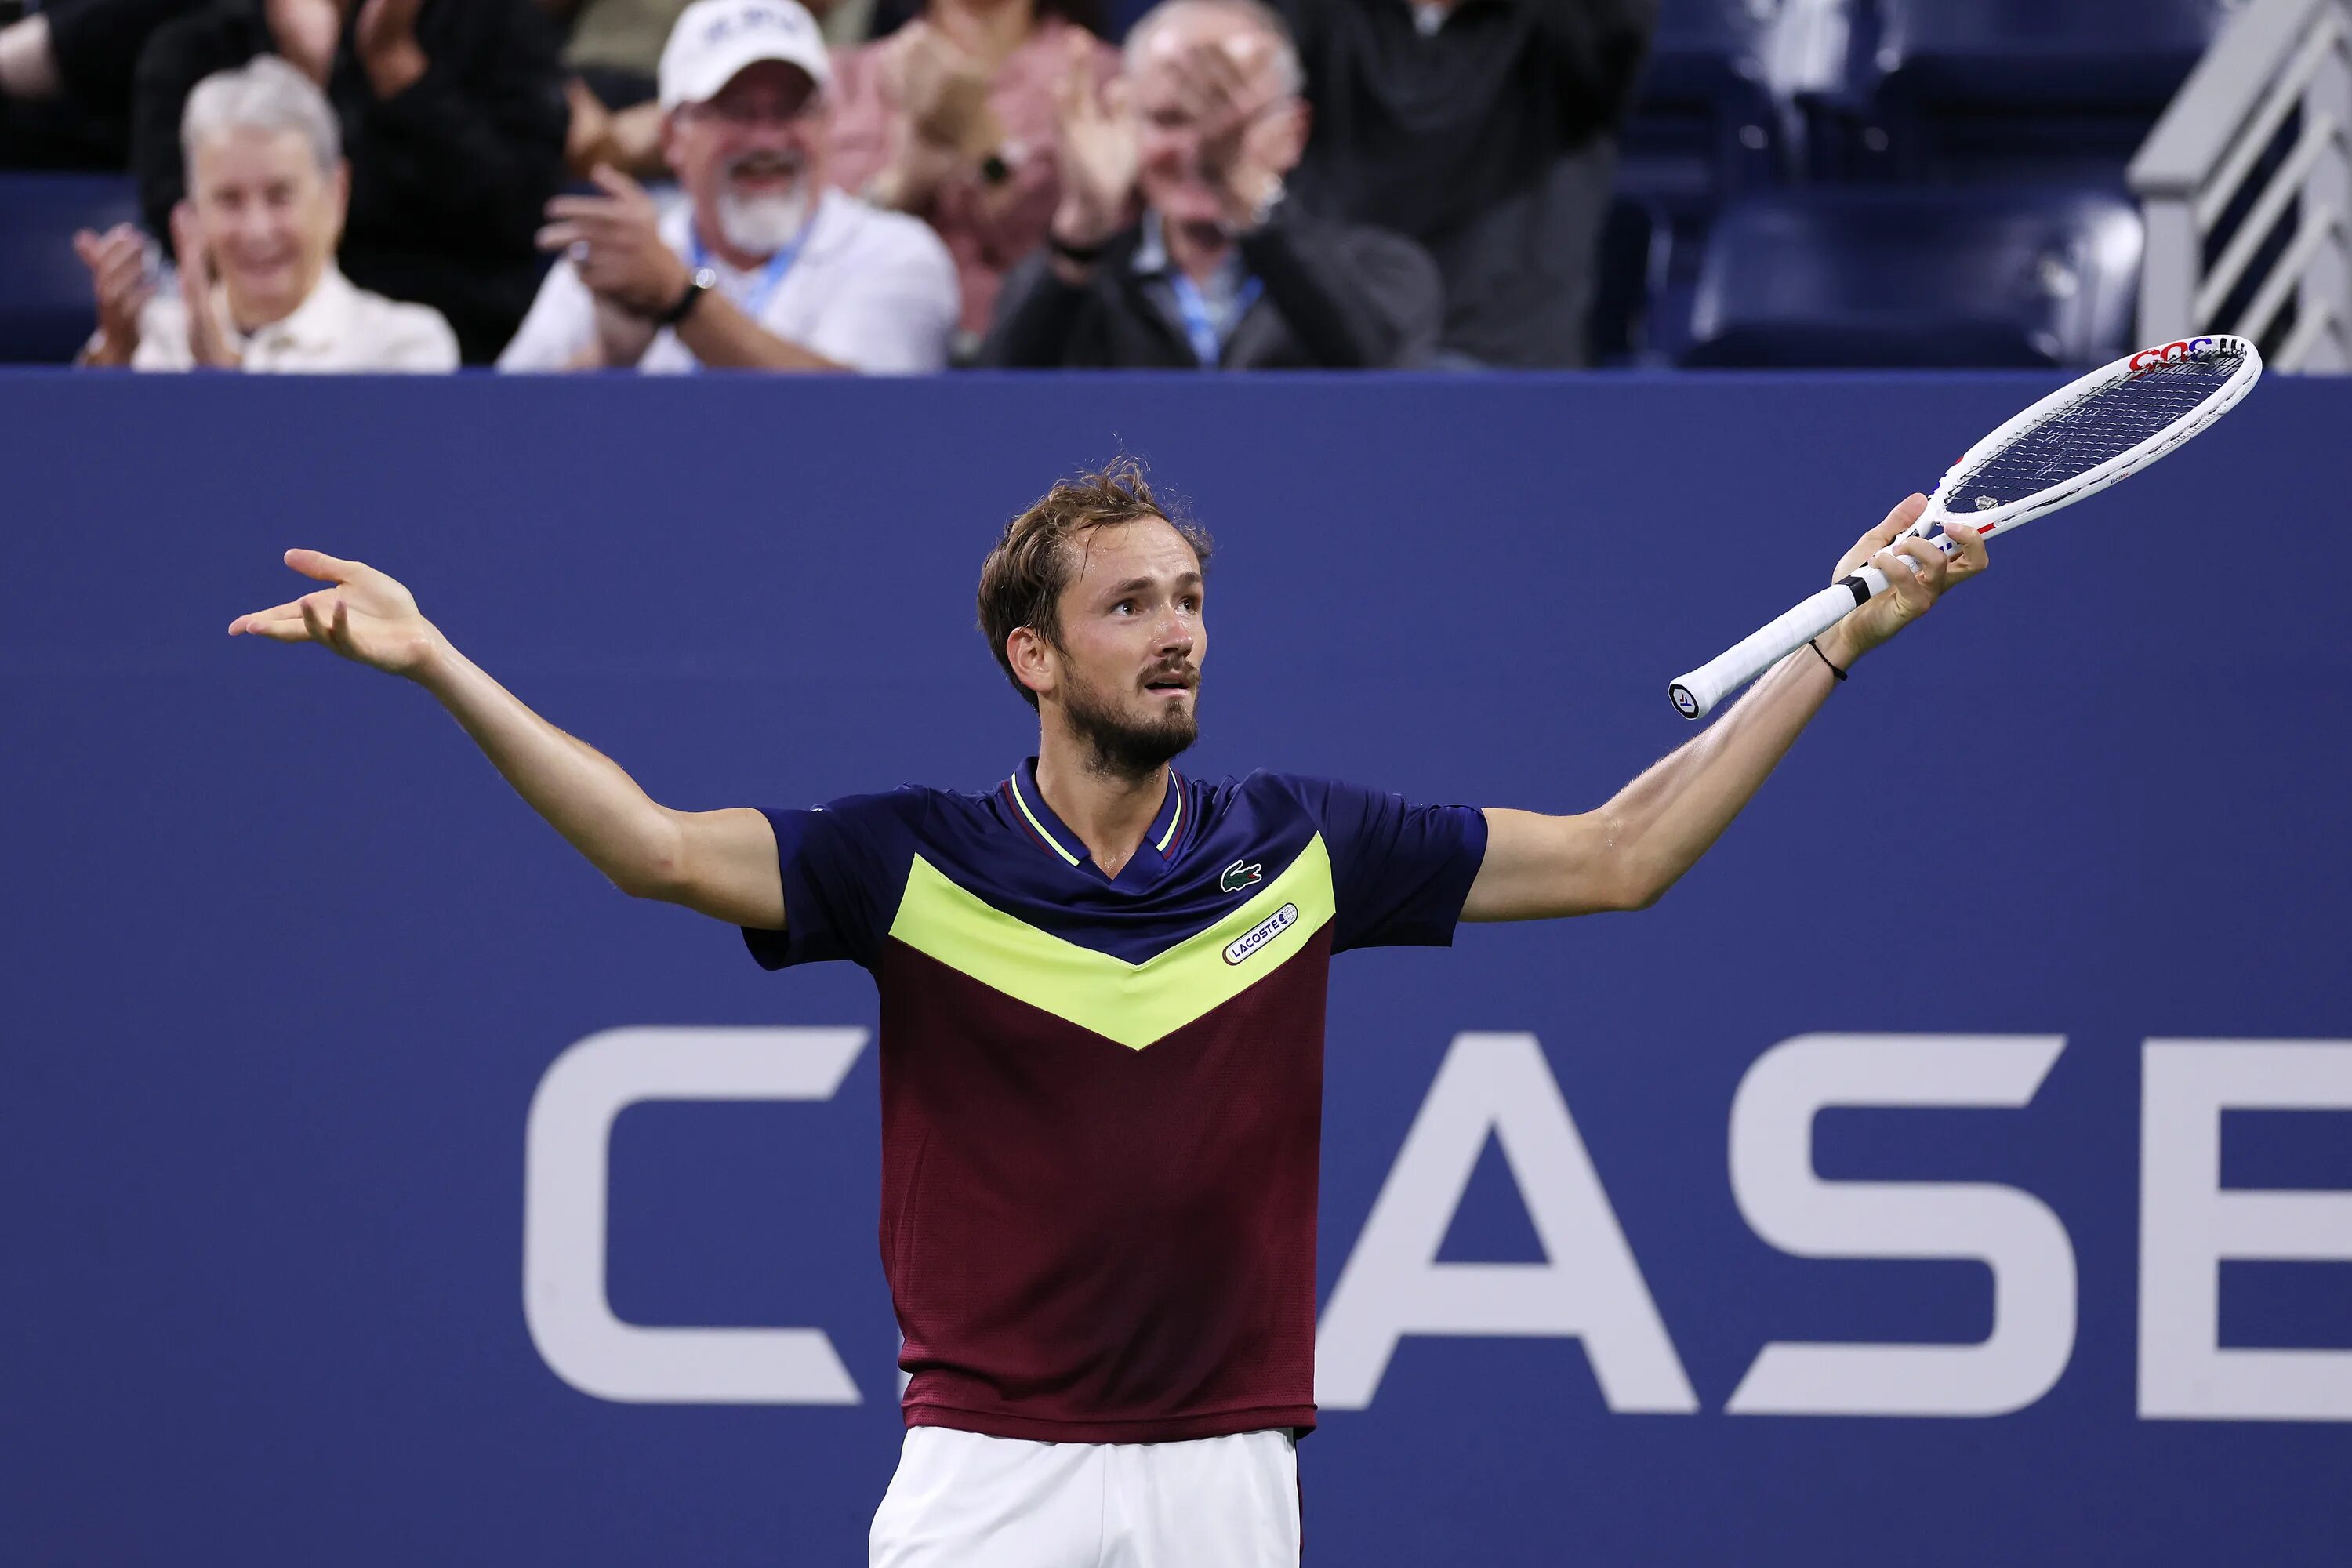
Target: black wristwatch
701,283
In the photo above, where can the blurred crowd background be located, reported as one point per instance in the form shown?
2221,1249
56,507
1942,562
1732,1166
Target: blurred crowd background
893,186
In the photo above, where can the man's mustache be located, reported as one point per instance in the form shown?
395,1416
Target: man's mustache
758,164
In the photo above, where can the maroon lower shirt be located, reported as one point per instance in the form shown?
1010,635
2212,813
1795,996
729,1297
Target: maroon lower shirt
1102,1097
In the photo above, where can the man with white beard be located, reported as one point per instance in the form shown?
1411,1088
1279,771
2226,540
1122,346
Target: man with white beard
759,265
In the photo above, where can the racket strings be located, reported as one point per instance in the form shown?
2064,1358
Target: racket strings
2104,423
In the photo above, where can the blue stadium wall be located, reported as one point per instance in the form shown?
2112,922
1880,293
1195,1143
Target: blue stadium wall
2047,917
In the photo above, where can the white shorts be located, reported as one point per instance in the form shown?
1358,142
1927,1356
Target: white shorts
962,1501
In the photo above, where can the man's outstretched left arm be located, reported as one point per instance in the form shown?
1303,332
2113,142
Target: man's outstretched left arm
1628,853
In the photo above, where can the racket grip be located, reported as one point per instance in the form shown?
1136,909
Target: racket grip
1696,694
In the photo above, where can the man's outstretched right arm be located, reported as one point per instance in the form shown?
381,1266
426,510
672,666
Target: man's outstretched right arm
718,863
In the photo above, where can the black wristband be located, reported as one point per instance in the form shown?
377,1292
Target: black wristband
1083,255
1824,658
696,288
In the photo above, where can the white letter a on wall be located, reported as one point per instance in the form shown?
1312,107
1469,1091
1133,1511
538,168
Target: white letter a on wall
1588,1287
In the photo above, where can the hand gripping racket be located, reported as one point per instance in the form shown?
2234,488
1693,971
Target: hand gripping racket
2071,445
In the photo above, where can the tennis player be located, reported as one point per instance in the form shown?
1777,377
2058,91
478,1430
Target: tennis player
1102,995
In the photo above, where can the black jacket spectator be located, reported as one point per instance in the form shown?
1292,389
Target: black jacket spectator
449,177
1333,297
1488,140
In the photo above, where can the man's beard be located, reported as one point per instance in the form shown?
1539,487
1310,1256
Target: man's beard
764,223
1117,746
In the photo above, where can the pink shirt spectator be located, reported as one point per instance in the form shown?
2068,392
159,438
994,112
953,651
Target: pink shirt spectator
987,227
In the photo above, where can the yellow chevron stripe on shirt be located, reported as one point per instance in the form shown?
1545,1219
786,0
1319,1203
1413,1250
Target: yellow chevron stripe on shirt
1134,1004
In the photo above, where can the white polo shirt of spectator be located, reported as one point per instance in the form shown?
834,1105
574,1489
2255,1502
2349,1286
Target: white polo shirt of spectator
338,326
872,290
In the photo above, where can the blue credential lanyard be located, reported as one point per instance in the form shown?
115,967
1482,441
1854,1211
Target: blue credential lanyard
1201,322
754,303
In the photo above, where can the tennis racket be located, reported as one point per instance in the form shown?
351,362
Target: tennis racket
2070,446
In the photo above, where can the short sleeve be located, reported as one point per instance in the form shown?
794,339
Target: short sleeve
417,340
897,314
1400,872
844,866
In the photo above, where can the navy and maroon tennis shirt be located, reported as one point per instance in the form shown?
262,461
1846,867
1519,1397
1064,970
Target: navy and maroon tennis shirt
1102,1097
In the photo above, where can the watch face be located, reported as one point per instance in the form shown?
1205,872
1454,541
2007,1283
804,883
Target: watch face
706,278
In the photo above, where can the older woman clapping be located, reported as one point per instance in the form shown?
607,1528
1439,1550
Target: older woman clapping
258,288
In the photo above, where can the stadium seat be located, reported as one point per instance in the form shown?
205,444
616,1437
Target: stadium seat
1712,119
1635,246
1703,121
1918,278
45,314
2003,89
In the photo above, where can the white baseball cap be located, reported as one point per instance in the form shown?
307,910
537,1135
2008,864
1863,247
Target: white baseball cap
716,38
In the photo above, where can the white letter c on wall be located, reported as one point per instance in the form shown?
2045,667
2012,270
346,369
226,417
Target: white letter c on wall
566,1143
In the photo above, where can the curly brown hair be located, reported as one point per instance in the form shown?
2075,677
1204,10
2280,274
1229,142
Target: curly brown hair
1020,582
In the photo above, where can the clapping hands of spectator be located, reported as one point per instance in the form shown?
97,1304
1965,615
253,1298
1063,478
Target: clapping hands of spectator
209,343
615,245
305,32
385,41
943,121
117,261
1247,141
1095,134
627,139
386,46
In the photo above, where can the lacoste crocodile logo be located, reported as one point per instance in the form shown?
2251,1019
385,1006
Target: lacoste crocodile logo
1238,875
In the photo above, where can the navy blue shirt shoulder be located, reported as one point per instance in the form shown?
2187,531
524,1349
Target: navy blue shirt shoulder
1400,871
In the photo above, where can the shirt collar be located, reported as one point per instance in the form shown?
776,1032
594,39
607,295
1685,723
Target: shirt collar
1163,840
1151,261
322,321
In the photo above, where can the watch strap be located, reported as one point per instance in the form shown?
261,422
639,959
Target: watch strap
697,287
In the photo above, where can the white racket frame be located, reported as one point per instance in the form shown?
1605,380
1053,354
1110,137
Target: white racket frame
1698,693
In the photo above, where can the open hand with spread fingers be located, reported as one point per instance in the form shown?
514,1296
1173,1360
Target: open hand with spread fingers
363,614
1096,141
615,241
1917,574
119,286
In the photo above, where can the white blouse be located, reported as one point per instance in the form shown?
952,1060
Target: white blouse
338,326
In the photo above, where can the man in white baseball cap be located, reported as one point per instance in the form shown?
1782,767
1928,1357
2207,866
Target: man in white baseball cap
759,265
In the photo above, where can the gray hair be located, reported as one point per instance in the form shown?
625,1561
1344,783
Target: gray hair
265,93
1289,75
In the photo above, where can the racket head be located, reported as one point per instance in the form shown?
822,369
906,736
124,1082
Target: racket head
2092,432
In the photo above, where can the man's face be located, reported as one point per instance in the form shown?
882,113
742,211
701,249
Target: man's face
1127,666
270,216
752,156
1167,129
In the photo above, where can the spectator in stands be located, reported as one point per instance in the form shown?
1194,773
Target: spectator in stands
1224,270
65,80
761,266
1485,130
951,118
258,288
453,117
614,49
612,52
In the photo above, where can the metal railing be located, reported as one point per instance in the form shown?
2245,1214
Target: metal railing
2246,184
